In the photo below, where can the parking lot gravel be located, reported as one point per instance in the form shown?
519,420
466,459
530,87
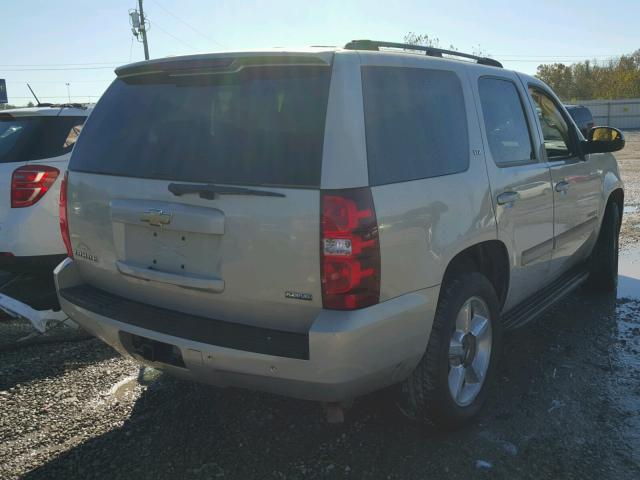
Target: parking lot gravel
629,162
566,405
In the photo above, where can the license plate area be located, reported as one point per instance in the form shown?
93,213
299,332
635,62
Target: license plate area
172,251
168,237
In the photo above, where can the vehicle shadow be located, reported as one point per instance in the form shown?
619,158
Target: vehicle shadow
552,414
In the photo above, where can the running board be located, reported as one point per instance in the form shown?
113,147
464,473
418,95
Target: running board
542,300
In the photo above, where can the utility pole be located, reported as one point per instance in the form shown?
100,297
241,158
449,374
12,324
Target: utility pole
68,92
143,30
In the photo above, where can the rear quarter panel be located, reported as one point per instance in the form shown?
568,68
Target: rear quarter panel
425,223
611,179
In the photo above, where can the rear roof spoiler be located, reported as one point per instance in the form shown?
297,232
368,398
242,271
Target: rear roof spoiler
203,64
429,51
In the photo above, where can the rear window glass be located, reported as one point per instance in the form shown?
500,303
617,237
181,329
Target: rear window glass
35,138
261,126
416,124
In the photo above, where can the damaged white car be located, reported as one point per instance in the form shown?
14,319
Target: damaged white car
35,146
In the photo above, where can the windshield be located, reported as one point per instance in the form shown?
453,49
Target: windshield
260,126
34,138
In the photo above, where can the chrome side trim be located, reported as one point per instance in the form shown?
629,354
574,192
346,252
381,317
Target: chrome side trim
576,231
537,251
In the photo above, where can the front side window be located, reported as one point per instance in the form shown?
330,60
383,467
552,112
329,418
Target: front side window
416,124
505,122
555,129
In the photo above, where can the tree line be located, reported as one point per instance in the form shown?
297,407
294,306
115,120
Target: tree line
616,78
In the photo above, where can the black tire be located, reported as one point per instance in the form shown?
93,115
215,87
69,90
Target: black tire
425,395
603,274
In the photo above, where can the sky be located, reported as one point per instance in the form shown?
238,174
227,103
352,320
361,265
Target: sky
50,43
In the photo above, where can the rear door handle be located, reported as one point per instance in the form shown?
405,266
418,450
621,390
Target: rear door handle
562,186
507,197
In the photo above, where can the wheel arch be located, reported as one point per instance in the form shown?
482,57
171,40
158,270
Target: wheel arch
489,258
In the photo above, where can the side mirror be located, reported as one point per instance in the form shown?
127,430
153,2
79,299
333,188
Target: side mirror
603,139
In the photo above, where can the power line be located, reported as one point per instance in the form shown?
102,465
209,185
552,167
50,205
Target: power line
557,60
560,56
122,62
154,23
55,69
22,82
59,64
188,24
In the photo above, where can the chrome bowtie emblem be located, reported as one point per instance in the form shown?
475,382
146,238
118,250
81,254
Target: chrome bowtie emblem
156,217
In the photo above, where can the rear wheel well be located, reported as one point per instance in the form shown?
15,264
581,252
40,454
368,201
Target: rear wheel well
488,258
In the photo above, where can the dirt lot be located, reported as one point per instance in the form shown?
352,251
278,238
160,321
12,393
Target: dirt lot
629,161
567,405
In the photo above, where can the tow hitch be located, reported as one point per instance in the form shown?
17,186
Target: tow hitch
152,350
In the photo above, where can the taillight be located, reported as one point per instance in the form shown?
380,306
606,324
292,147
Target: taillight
29,183
64,222
350,249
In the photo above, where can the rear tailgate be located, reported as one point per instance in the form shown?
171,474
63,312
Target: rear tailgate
198,191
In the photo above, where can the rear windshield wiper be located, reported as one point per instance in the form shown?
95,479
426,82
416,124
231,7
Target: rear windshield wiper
209,191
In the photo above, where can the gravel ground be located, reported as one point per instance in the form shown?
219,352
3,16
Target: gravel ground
566,405
629,162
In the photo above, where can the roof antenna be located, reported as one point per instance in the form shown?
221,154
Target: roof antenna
34,95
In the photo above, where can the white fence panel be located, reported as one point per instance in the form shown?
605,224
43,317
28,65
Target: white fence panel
623,114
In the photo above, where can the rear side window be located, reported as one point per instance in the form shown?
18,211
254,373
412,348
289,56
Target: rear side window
34,138
505,122
416,124
259,126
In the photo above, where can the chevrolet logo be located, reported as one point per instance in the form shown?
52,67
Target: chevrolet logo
156,217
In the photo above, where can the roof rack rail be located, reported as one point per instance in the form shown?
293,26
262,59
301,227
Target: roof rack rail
70,105
62,105
430,51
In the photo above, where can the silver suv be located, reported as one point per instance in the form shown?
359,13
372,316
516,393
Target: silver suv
328,222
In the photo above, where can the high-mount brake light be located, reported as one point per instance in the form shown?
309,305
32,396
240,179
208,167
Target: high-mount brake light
350,250
29,184
64,221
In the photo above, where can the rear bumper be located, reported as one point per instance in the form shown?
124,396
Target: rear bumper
347,353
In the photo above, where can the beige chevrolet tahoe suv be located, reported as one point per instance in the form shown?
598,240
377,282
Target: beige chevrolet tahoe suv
328,222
